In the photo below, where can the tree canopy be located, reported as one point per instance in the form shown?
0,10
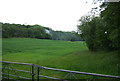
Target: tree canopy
27,31
37,31
102,32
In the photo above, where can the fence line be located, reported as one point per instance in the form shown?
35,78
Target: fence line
32,72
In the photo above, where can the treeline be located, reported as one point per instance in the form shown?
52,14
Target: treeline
37,31
102,33
67,36
27,31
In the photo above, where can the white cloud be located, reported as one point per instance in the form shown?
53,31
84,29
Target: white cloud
56,14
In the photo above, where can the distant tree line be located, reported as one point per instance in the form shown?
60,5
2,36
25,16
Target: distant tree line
102,32
27,31
37,31
67,36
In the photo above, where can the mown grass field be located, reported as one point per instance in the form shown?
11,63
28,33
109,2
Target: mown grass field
59,54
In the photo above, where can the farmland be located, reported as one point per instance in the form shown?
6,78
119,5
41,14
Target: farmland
59,54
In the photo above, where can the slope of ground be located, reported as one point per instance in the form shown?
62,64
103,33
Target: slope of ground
59,54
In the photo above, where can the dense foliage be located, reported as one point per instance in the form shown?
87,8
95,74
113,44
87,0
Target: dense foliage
36,31
28,31
102,33
67,36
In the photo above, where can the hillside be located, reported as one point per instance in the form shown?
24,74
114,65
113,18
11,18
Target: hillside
59,54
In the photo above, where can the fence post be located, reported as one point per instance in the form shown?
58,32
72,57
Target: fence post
118,69
38,74
33,72
8,71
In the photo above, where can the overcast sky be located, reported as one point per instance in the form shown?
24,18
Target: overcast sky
56,14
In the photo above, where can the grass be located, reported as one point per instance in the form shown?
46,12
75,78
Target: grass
59,54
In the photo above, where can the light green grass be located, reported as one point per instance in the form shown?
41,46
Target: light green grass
60,55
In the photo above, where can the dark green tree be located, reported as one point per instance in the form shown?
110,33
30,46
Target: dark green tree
102,33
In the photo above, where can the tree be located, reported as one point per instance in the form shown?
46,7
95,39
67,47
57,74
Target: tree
102,32
112,17
29,31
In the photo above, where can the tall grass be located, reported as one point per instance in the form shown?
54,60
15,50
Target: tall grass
59,54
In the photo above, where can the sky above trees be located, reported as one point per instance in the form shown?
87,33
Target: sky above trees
57,14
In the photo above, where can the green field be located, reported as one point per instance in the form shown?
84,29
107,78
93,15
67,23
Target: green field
59,54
